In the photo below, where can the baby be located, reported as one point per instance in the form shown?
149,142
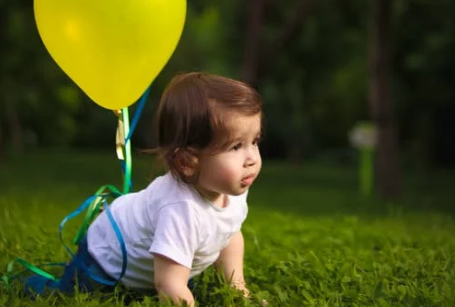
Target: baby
209,128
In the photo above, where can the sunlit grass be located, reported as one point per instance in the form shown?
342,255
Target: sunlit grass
311,240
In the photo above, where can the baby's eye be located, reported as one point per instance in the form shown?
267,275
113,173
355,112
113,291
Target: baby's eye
237,146
257,141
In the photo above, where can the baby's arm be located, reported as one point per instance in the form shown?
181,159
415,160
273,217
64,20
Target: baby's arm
230,262
171,280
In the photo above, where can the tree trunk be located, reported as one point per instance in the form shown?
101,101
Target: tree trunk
252,41
258,58
381,108
289,30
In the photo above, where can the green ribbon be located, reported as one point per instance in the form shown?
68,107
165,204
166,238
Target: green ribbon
123,147
35,269
94,209
29,266
128,160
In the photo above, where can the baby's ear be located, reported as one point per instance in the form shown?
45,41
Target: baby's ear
186,163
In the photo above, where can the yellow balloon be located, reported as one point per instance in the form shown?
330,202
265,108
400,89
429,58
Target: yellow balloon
112,49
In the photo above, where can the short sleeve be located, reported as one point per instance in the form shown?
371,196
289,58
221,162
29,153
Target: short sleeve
176,235
245,212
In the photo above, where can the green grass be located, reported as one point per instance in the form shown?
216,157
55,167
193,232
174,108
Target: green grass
311,240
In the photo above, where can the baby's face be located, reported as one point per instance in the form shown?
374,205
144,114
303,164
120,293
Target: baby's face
233,170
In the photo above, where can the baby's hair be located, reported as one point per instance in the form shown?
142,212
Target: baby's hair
191,117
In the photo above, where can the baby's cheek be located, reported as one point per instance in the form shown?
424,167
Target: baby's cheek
227,174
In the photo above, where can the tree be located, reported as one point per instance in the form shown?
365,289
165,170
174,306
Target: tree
8,106
259,54
252,41
258,57
381,107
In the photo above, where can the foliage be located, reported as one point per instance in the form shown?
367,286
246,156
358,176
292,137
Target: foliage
315,86
310,239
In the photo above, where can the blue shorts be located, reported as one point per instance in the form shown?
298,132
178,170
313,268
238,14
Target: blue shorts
82,273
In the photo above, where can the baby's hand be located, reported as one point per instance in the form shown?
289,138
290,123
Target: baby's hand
240,285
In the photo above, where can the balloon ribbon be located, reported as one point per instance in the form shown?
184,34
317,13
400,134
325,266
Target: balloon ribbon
93,203
123,148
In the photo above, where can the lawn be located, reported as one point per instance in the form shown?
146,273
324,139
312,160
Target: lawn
311,240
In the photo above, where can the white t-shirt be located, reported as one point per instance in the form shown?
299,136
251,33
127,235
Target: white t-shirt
168,218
